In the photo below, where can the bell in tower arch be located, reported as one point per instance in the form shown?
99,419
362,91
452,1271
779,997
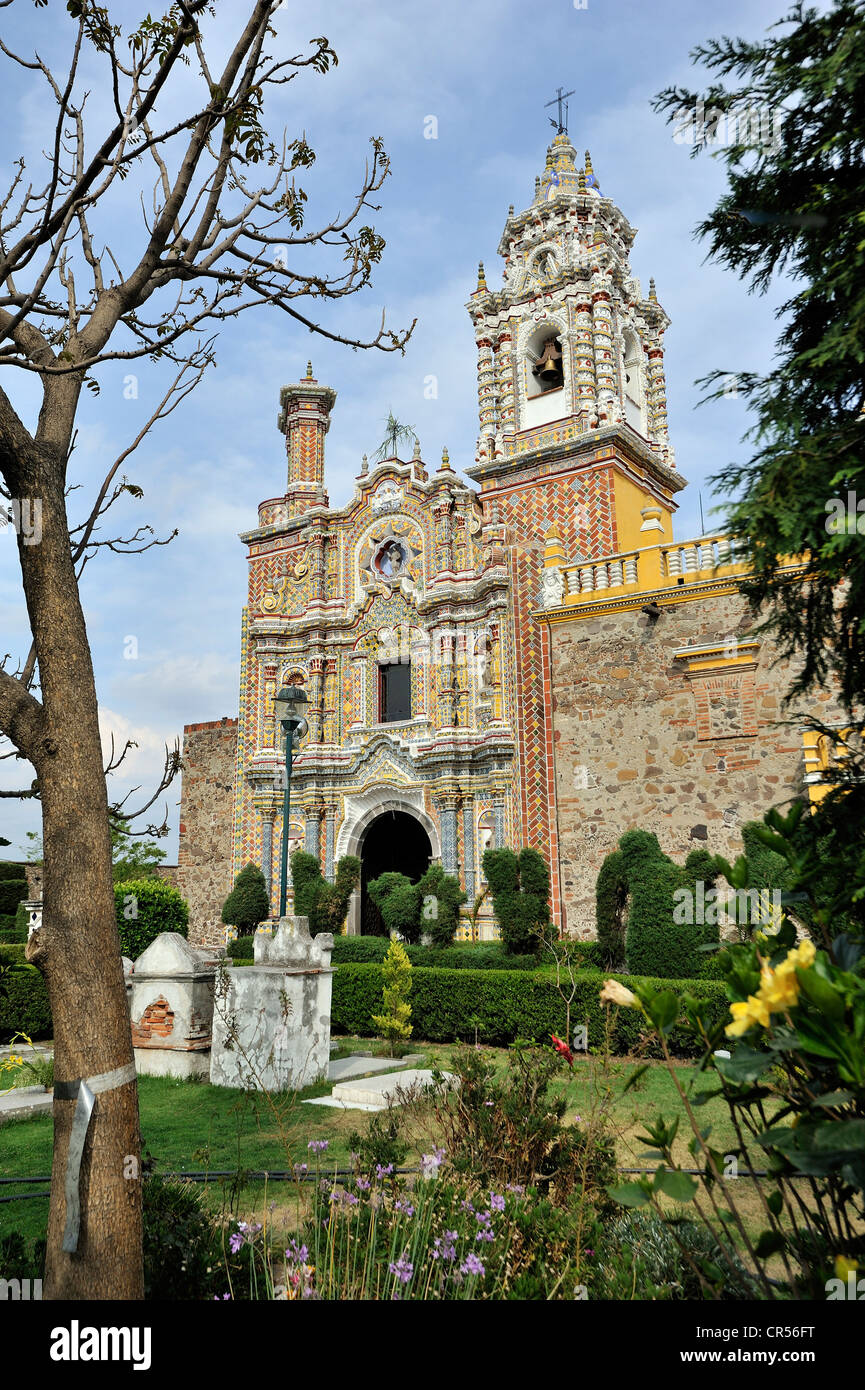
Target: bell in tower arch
548,369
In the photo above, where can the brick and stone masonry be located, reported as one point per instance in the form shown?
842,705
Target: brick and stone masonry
646,737
203,873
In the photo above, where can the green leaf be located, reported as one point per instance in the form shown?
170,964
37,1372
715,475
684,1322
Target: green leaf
630,1194
770,1243
663,1010
635,1076
833,1098
680,1186
746,1064
822,994
775,1202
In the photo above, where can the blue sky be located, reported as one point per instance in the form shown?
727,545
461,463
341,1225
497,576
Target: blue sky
485,71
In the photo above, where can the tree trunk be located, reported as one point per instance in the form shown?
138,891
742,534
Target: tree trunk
78,947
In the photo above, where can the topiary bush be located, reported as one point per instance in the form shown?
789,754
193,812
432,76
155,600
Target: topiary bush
248,902
324,904
441,898
507,1004
145,908
399,902
520,890
638,893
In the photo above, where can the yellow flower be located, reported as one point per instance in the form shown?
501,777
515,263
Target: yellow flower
753,1011
803,956
844,1266
779,989
616,993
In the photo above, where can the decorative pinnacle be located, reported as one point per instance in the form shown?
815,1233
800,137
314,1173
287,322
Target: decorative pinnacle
309,376
482,279
652,292
589,169
446,460
416,454
581,181
511,210
364,467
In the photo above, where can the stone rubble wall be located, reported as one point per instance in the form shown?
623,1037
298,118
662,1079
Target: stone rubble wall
642,742
203,870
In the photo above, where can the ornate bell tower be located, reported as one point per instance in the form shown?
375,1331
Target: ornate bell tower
569,345
573,451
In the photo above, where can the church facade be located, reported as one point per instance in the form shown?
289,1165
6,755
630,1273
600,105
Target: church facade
531,660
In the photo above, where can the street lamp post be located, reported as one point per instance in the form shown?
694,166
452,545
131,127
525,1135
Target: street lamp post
288,707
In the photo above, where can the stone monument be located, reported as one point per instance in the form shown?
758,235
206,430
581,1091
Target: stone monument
271,1020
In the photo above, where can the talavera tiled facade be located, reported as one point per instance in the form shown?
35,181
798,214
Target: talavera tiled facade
516,605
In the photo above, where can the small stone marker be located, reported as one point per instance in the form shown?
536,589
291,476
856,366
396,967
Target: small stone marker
378,1092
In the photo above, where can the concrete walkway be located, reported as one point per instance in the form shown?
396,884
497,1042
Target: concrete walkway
25,1100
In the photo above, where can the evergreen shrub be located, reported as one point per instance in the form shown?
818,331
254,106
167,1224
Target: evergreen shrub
145,908
324,904
248,902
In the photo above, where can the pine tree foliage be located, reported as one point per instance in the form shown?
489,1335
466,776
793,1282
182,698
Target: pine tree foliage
248,903
393,1024
794,208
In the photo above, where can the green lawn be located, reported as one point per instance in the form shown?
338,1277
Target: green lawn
194,1126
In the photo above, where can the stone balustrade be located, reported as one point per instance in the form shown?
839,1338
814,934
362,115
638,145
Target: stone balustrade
646,570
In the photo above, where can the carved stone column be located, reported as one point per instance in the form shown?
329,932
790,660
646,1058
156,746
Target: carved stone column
447,804
329,841
469,848
498,819
312,839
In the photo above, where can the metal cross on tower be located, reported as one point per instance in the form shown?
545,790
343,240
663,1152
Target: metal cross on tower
557,100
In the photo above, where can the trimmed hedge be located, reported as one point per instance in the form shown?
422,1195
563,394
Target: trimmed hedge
506,1004
243,948
12,953
9,870
486,955
24,1006
12,892
145,908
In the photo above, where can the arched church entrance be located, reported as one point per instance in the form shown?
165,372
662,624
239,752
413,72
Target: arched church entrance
395,842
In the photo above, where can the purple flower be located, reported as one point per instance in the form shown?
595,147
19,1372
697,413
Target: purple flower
515,1187
296,1254
235,1240
466,1205
383,1170
444,1249
317,1146
405,1207
300,1168
486,1233
489,1102
483,1218
216,1297
497,1203
472,1265
403,1269
430,1163
363,1184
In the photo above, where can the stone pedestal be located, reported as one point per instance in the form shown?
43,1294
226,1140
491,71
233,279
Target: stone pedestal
271,1021
172,1008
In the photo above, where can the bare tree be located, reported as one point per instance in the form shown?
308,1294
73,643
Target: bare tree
222,227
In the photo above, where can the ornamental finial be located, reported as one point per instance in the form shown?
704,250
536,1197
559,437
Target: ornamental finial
482,279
